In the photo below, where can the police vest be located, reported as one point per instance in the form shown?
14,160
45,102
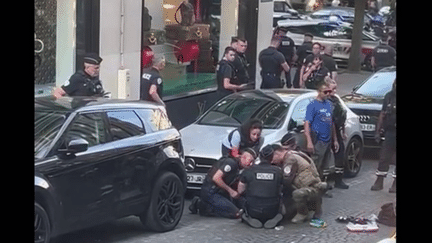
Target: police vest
264,181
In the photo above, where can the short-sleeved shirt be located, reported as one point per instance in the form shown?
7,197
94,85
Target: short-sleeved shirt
319,115
224,70
286,47
303,51
229,167
82,84
330,64
150,76
271,60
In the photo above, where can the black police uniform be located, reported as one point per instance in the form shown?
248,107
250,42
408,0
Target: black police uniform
329,63
302,52
263,189
286,47
240,64
150,76
385,56
271,60
82,84
315,77
225,69
214,200
389,124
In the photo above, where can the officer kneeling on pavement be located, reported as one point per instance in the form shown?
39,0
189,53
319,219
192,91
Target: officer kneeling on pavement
300,173
262,185
217,191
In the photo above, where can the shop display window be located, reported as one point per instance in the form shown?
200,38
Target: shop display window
187,34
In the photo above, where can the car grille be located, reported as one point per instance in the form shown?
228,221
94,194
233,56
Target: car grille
202,164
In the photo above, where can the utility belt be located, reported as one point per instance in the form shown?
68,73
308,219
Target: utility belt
270,74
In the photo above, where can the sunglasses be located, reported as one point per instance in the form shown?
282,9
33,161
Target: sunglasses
327,91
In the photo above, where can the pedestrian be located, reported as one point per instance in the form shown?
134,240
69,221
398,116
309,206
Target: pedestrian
261,185
272,63
329,62
302,52
339,118
240,62
319,130
217,192
84,82
383,55
386,121
300,173
248,135
287,48
151,87
314,73
225,73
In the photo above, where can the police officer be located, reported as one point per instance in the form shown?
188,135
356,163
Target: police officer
262,185
287,48
387,121
84,82
151,87
217,191
240,62
314,73
272,63
383,55
225,73
302,52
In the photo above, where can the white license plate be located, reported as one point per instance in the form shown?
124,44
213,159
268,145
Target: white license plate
367,127
195,178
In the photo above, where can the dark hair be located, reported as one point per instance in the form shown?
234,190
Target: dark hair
228,49
251,151
317,43
247,126
234,39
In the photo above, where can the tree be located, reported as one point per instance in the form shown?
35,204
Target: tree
354,63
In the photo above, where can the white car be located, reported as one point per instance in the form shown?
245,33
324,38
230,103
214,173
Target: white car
281,110
338,34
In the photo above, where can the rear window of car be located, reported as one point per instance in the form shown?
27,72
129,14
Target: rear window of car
124,124
155,119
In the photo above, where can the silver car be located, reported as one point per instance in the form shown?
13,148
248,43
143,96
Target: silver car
281,110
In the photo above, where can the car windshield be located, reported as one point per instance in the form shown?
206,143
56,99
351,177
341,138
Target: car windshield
234,112
378,85
46,126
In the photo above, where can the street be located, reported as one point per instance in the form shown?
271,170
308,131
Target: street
357,201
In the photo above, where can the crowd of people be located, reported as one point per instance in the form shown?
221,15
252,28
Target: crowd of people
287,182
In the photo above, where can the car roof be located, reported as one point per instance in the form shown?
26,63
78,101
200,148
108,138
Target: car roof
72,104
277,95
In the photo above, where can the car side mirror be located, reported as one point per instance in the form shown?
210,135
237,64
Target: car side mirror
75,146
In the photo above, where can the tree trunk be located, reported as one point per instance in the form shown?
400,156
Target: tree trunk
354,63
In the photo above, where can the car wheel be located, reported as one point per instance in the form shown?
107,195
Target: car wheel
166,204
353,157
42,228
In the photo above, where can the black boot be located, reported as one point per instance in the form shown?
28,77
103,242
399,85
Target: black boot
393,187
339,183
194,205
379,184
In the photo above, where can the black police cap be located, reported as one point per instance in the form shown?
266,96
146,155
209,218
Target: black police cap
266,153
92,58
288,138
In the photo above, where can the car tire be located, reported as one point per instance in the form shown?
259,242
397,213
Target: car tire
353,157
42,225
166,204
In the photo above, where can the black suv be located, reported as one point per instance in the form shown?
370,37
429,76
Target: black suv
100,159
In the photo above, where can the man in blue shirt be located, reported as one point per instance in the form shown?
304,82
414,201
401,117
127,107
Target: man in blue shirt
319,129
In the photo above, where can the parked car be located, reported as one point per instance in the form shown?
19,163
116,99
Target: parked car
345,14
100,159
338,34
281,110
366,101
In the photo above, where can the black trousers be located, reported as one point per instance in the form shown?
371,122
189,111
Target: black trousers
262,209
270,81
388,150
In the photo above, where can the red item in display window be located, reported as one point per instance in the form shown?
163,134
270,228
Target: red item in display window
187,51
147,56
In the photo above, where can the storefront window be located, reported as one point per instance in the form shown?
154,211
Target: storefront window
190,45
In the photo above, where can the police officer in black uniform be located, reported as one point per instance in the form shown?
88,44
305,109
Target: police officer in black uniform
151,87
287,48
262,185
272,63
240,62
218,189
84,82
302,52
387,121
225,74
383,55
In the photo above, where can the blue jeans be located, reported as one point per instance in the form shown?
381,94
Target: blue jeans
216,202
